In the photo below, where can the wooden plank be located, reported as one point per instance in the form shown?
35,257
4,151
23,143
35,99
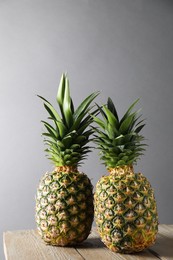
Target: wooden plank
163,247
27,245
93,248
166,230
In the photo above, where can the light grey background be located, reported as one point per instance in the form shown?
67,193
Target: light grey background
123,48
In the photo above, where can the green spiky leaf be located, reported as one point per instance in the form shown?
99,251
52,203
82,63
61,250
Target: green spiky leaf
119,141
67,135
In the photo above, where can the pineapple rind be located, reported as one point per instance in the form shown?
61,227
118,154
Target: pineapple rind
64,208
125,211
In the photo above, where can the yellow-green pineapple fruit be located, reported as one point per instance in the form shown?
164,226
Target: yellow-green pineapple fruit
64,200
125,206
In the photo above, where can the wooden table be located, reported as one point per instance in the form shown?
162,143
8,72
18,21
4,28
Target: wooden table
27,245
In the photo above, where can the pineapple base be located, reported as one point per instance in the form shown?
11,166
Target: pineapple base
125,211
64,207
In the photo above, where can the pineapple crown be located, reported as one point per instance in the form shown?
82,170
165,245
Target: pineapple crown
67,140
119,140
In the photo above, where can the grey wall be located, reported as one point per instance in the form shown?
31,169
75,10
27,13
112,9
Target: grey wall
122,47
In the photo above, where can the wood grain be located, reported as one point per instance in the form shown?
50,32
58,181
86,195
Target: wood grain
27,245
20,245
163,248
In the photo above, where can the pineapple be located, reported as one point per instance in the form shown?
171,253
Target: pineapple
64,200
125,206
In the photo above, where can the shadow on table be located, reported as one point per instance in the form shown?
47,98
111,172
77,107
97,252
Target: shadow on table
91,243
163,247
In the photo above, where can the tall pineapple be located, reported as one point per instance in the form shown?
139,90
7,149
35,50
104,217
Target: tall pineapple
64,200
125,207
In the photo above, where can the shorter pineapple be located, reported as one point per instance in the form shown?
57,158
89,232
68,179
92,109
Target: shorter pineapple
64,201
125,207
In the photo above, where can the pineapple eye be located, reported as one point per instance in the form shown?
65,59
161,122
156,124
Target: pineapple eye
62,193
138,196
127,242
118,220
43,225
109,214
72,189
44,202
147,202
54,186
74,209
116,235
74,220
81,227
119,208
60,204
62,215
72,234
129,228
52,197
65,180
129,202
48,180
71,200
130,215
119,197
64,226
103,195
52,220
107,225
80,196
109,202
43,214
139,208
140,222
50,209
45,190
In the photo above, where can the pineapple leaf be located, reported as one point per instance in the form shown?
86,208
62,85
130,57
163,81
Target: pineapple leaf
52,112
80,139
61,90
50,109
139,128
124,127
67,140
100,109
119,142
99,122
62,128
110,131
85,104
78,122
72,106
52,133
60,94
110,117
44,99
111,107
67,137
50,136
86,121
60,144
67,105
129,111
51,128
